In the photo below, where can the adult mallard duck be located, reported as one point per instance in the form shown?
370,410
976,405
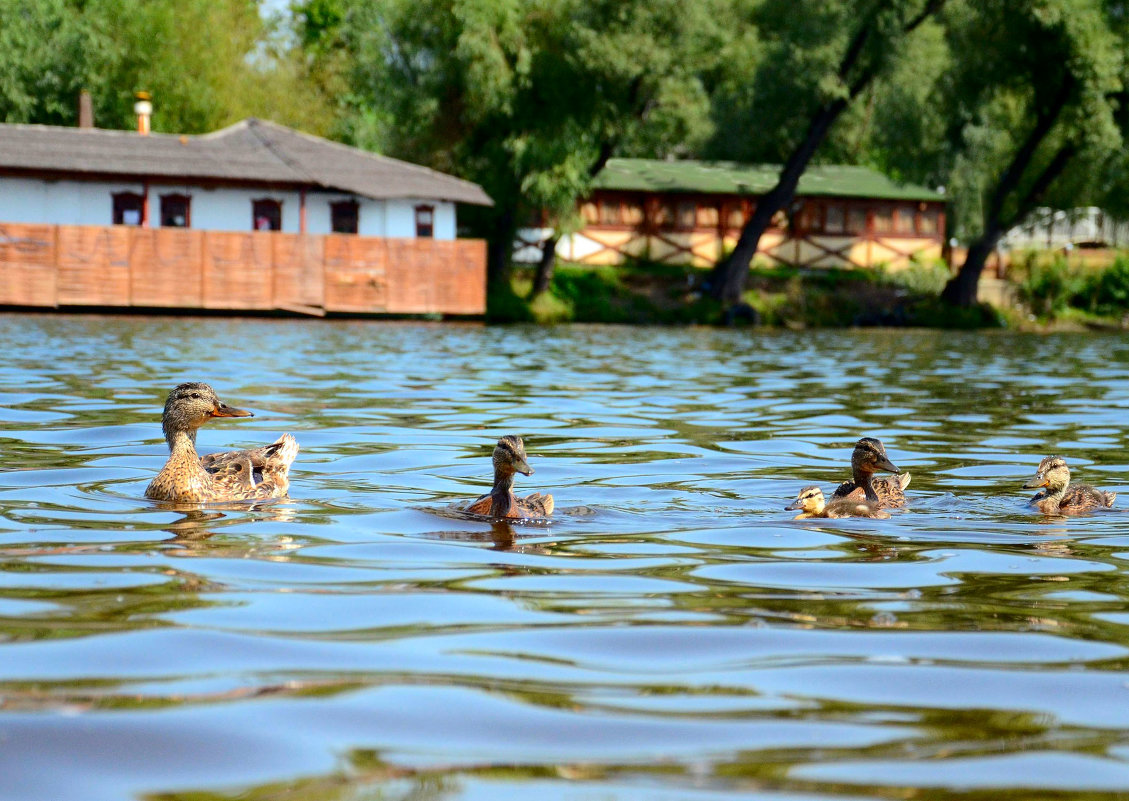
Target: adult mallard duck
1058,497
253,474
868,457
509,458
810,502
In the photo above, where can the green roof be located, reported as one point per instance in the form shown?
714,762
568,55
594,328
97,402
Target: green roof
732,178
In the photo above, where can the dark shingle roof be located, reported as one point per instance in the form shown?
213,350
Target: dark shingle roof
731,178
252,150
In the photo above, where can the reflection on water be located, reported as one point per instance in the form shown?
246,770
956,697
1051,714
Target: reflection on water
672,635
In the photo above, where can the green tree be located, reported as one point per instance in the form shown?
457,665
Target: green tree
52,49
1035,98
48,53
528,98
819,59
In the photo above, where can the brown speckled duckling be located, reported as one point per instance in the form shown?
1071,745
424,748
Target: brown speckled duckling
868,457
1058,498
811,504
509,458
253,474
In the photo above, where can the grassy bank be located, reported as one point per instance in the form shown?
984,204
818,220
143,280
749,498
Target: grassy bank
1058,293
666,294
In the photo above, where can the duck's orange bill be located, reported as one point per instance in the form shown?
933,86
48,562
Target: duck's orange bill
223,410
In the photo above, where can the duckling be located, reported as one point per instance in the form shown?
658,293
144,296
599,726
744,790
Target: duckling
509,458
810,502
869,457
233,475
1058,498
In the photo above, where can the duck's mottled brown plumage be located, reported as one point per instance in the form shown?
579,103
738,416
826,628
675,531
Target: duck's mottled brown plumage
1058,497
810,502
868,457
509,458
253,474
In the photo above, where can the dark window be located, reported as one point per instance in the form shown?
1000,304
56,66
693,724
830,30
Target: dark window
883,218
928,222
175,211
425,221
834,221
856,220
344,216
266,215
687,214
903,220
128,208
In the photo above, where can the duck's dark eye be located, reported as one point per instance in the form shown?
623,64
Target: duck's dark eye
196,395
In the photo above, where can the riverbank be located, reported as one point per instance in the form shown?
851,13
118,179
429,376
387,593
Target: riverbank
783,297
1047,293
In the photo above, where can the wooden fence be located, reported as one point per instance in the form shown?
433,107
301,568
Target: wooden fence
174,268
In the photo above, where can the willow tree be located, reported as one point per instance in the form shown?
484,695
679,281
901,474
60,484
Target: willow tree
818,60
1035,101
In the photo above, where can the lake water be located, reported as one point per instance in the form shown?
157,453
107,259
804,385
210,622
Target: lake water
672,635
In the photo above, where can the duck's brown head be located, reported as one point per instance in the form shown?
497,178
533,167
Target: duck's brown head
870,456
191,405
809,500
1052,474
509,456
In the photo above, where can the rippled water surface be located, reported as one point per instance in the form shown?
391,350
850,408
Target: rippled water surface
672,635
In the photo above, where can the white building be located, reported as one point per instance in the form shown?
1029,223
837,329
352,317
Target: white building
253,175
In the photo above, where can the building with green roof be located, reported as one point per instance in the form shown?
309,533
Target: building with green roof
691,212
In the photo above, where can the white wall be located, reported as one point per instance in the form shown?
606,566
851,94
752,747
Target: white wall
32,200
29,200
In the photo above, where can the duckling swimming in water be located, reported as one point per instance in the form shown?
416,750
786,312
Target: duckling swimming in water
868,457
253,474
1058,498
810,502
509,458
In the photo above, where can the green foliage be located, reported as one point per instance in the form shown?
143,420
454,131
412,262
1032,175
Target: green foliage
918,278
1047,285
1109,293
207,63
637,292
1052,288
48,52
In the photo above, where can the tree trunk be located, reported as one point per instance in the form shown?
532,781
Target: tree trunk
727,282
961,288
500,248
545,266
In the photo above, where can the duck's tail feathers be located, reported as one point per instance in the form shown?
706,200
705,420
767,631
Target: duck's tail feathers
903,479
287,449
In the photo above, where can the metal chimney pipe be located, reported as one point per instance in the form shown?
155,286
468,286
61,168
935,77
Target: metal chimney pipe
143,108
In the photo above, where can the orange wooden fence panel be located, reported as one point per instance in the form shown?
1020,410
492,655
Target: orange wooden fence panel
355,274
238,270
93,264
166,269
28,255
299,271
46,265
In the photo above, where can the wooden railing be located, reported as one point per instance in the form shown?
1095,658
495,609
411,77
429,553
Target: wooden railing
169,268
